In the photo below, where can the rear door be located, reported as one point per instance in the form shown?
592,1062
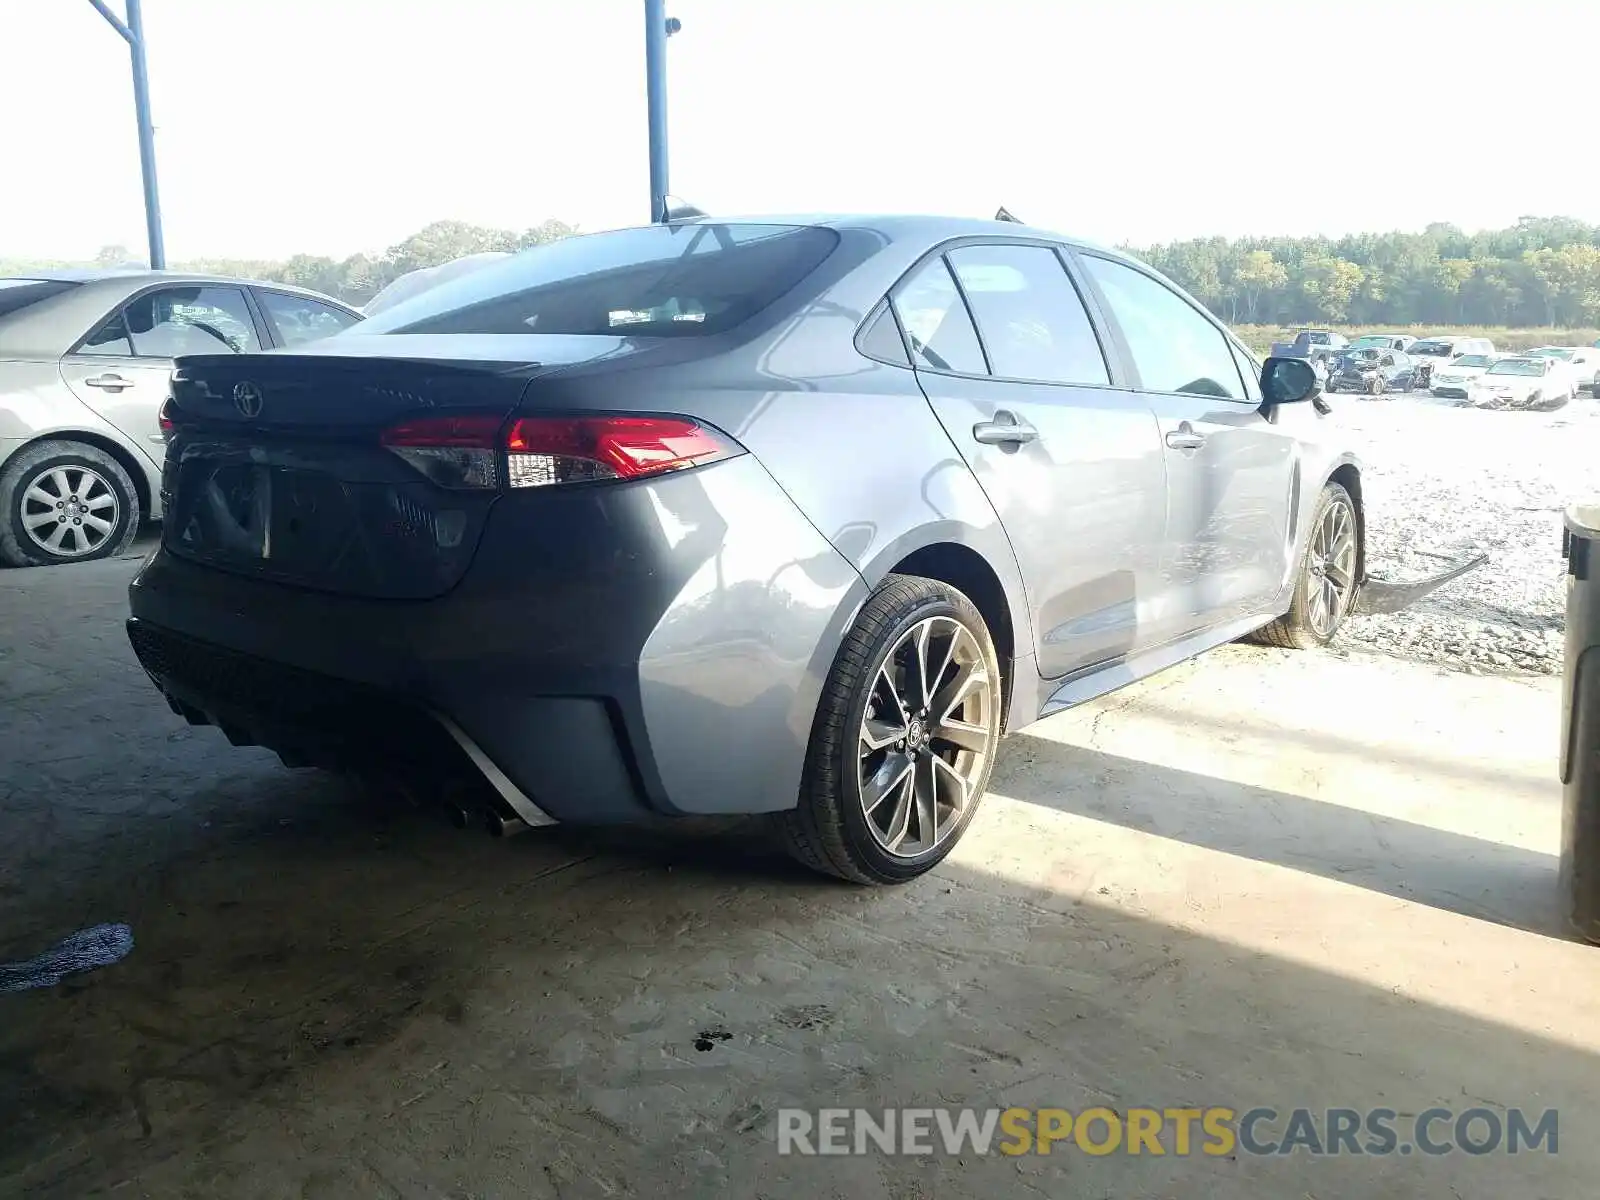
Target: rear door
1013,366
1230,471
121,369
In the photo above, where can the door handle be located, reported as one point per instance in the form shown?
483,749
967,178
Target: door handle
1185,438
110,382
1004,430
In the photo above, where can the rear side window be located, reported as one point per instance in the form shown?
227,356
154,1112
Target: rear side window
1174,348
881,339
936,321
299,320
1030,317
18,294
661,281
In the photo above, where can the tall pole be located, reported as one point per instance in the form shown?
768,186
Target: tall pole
655,68
147,138
133,33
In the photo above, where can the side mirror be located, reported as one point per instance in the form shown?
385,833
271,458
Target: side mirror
1289,381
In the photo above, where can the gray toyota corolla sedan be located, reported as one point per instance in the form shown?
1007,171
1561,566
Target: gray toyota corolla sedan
792,517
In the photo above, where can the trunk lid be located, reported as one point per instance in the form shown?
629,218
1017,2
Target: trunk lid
275,468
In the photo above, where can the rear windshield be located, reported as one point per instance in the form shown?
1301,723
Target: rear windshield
18,294
1437,349
659,281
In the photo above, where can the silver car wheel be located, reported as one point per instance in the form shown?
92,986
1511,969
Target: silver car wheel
930,725
69,511
1332,564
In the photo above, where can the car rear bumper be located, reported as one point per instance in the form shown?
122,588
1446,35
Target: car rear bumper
611,652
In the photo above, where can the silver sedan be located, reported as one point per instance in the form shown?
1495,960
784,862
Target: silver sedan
84,363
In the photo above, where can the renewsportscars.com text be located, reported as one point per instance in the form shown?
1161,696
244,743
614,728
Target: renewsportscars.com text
1216,1131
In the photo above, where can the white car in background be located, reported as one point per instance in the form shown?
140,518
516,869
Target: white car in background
1579,361
1455,378
1528,382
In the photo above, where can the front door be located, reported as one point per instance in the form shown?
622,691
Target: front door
1227,548
121,369
1072,465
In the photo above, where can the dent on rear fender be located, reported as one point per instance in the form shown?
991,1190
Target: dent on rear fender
730,677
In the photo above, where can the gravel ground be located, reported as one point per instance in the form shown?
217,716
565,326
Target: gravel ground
1448,481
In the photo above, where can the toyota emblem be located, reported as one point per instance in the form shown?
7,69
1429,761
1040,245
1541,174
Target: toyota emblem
247,399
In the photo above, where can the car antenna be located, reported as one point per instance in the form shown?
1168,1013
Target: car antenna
677,210
1005,215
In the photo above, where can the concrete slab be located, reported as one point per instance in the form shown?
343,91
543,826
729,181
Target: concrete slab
1263,879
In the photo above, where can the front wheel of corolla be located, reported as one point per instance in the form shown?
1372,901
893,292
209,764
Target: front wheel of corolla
903,740
1325,587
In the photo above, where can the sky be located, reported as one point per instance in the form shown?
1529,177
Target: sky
337,126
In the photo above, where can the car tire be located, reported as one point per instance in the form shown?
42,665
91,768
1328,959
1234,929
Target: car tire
1376,387
1303,626
906,621
29,487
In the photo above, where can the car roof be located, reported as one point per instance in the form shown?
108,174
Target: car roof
142,275
909,226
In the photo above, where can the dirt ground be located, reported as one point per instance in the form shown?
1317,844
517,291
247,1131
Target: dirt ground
1262,879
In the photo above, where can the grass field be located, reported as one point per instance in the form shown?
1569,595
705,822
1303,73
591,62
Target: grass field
1260,337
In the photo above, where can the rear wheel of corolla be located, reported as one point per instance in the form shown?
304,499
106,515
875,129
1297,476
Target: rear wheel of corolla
1326,583
65,502
903,740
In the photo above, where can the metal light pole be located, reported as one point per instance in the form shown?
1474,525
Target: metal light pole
133,33
657,29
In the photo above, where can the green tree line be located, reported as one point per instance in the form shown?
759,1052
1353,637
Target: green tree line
354,280
1542,271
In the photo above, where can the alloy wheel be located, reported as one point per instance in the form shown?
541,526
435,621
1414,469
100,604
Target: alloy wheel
930,725
69,511
1332,565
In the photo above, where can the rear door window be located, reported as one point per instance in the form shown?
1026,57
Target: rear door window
1174,348
299,319
937,324
1030,317
201,319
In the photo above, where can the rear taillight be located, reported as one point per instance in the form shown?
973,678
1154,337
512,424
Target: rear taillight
546,450
164,420
466,451
454,452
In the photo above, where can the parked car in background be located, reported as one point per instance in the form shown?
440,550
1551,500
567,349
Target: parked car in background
1373,371
550,527
1431,353
415,282
1382,341
85,358
1585,364
1580,361
1523,382
1454,379
1318,345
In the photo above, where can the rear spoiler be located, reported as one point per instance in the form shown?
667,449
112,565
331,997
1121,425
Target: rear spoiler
1379,595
